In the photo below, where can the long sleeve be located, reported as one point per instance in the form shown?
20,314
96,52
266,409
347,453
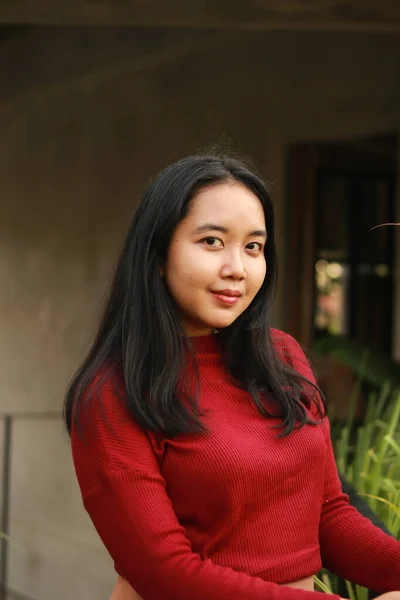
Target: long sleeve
351,546
126,497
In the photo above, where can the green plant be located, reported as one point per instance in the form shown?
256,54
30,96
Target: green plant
380,368
372,463
369,457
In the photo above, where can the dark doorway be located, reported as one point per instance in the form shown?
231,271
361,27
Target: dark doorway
340,269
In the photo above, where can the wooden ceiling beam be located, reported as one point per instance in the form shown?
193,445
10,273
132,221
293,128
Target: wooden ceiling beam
333,15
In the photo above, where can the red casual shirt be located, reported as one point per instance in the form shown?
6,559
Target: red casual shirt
229,514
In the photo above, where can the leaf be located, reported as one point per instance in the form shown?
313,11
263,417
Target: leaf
4,536
384,501
321,585
350,591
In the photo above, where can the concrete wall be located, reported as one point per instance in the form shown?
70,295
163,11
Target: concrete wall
86,117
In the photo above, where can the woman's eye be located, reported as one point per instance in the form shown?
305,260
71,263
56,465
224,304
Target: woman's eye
254,246
212,241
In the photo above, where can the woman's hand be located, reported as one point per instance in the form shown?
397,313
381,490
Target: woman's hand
124,591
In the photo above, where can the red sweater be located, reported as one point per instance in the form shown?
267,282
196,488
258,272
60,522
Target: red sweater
230,514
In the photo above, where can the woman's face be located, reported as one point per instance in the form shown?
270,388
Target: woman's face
215,264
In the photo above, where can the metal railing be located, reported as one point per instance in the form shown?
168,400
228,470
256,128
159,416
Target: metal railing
8,422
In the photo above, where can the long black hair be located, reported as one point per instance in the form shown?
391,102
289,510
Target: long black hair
140,339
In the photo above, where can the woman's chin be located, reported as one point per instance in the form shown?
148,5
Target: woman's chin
205,326
222,323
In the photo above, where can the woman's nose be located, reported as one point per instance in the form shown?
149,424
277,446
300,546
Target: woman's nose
234,266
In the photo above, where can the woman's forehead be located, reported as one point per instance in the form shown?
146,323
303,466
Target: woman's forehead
227,205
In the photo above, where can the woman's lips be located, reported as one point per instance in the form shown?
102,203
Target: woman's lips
226,297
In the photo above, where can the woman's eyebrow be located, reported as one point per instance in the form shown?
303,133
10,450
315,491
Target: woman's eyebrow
215,227
211,227
258,233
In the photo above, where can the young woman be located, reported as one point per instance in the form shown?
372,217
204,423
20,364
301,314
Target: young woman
199,439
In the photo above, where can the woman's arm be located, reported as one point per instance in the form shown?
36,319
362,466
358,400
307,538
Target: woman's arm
126,498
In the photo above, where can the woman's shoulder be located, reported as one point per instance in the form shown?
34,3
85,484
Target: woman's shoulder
285,345
290,352
106,435
102,409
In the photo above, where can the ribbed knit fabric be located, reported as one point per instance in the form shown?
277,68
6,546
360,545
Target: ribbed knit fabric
229,514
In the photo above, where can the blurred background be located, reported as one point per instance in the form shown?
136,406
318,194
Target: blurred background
95,98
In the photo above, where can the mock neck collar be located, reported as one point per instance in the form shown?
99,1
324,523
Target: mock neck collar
205,344
207,349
